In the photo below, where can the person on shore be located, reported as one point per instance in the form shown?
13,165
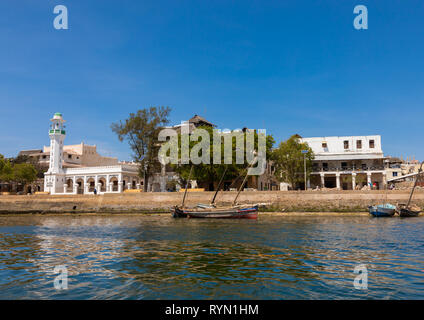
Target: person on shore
95,191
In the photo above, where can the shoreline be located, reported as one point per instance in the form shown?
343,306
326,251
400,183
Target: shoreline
144,214
272,202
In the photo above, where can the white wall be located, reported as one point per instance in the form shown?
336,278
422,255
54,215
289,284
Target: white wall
336,144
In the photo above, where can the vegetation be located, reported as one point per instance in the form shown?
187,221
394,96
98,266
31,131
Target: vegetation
210,174
289,161
16,171
141,131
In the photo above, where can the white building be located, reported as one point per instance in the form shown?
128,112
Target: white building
347,163
83,180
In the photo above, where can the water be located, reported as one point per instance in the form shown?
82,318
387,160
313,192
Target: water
157,257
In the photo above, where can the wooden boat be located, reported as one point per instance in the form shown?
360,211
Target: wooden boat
178,212
382,210
234,211
407,211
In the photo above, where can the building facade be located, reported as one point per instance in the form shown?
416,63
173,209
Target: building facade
113,178
347,163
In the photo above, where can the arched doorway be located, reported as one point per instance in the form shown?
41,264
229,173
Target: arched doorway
114,183
102,182
70,187
80,184
91,184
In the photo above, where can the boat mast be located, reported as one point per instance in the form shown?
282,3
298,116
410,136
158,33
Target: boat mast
244,181
185,192
415,184
219,186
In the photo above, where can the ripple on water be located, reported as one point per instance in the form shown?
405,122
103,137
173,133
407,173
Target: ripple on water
140,257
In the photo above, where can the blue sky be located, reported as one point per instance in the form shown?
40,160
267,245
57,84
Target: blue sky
286,66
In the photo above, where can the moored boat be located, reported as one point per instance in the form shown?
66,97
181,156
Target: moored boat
237,212
178,212
408,211
382,210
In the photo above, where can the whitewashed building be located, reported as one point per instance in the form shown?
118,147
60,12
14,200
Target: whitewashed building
112,178
347,163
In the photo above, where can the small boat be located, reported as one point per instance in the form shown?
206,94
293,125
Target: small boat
236,212
408,211
178,212
382,210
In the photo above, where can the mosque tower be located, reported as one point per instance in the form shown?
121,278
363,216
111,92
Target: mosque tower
55,176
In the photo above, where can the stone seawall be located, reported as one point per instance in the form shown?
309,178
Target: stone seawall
289,201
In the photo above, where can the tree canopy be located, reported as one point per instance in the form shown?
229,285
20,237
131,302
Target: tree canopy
289,160
209,174
141,131
20,172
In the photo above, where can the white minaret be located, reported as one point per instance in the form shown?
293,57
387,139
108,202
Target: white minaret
54,178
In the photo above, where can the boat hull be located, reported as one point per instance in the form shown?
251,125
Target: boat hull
178,213
230,213
382,211
406,212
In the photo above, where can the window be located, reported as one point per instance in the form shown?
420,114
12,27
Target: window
69,156
372,144
324,145
358,144
346,144
395,174
325,166
344,165
364,166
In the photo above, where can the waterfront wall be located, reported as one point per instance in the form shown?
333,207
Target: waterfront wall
289,201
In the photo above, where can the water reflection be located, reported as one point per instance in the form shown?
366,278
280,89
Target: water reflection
157,257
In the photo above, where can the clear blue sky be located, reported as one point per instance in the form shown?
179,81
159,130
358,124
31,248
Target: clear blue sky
286,66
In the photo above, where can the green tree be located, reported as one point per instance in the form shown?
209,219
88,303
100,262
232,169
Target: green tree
24,173
289,160
210,174
6,172
31,160
141,131
2,163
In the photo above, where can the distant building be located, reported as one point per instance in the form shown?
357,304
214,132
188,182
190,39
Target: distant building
347,163
74,156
